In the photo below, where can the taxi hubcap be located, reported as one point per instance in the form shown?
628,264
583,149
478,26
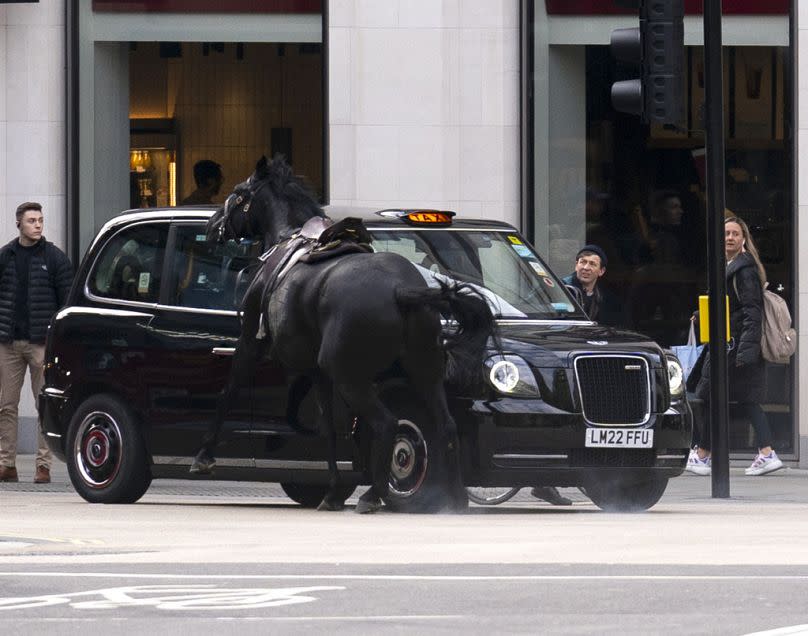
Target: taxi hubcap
410,459
98,449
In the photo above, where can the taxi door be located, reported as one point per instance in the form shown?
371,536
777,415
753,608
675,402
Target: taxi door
195,329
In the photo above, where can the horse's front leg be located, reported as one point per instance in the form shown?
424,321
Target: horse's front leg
458,496
325,400
245,359
431,391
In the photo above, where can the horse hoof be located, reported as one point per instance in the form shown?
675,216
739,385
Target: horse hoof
367,507
331,506
201,469
203,464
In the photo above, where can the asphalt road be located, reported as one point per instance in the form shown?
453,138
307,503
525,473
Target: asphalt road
240,558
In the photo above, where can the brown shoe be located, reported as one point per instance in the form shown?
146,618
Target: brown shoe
42,475
8,473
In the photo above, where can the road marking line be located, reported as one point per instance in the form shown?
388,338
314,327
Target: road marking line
425,577
403,617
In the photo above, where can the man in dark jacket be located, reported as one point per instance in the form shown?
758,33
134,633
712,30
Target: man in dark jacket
598,303
35,278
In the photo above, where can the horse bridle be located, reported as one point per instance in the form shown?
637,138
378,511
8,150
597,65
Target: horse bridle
243,200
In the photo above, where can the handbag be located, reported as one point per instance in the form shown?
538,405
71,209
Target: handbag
688,353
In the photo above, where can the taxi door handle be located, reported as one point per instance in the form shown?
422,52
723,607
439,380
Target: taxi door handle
223,351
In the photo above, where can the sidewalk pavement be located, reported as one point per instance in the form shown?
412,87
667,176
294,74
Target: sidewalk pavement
788,485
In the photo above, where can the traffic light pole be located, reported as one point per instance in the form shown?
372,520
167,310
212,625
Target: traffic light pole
714,134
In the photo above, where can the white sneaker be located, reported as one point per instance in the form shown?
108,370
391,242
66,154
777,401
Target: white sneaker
699,466
764,464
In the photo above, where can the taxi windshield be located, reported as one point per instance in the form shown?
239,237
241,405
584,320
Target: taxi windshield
513,279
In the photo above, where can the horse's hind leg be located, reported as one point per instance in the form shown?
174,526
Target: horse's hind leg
325,400
363,400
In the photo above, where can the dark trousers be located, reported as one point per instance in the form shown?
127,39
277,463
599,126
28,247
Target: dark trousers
750,410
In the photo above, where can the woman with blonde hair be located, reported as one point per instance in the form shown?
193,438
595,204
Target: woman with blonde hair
746,369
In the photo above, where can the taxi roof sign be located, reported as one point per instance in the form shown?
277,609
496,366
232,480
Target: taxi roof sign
421,217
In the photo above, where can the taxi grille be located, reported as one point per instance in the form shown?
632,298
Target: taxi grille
614,390
612,458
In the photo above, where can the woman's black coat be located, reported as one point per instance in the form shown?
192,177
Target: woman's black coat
745,366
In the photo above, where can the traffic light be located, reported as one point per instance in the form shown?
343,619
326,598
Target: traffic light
657,47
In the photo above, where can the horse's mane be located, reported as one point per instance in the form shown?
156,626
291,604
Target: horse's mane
287,186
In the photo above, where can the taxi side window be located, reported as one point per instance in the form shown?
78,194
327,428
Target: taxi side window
130,265
204,274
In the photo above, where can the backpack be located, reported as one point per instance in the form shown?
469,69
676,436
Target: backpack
779,340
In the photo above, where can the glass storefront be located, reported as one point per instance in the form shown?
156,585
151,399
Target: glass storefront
151,97
228,103
638,191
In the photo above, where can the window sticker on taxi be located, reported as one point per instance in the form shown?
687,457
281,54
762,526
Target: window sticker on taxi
143,283
514,239
523,251
538,268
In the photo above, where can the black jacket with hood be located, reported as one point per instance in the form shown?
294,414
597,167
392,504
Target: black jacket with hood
746,369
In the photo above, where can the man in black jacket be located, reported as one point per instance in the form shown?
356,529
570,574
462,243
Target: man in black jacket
598,303
35,278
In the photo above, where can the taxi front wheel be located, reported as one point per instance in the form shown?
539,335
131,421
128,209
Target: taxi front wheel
626,494
106,456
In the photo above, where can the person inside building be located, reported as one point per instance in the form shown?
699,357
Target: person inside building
746,368
663,235
35,278
663,285
208,177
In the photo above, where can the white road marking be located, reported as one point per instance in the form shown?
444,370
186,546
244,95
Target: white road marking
402,617
171,597
14,545
793,630
421,577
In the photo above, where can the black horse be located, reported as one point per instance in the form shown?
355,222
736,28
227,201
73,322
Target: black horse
344,322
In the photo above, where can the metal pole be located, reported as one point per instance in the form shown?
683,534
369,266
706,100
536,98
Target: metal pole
714,134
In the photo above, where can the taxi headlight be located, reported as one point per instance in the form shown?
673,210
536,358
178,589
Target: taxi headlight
676,377
511,375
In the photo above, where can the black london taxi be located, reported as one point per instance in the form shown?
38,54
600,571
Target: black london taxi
136,360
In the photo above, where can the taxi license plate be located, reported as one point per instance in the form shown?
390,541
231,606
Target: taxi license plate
619,438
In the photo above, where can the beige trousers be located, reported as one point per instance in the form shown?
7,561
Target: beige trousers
14,358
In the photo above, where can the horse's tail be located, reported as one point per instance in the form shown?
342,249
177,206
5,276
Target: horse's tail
467,341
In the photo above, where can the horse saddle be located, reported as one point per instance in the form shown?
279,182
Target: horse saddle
343,237
319,239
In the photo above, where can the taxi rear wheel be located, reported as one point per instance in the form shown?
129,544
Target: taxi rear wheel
310,495
106,456
626,495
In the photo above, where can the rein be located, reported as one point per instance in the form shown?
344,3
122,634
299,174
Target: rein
240,198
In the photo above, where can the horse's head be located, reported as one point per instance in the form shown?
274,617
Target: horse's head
271,204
